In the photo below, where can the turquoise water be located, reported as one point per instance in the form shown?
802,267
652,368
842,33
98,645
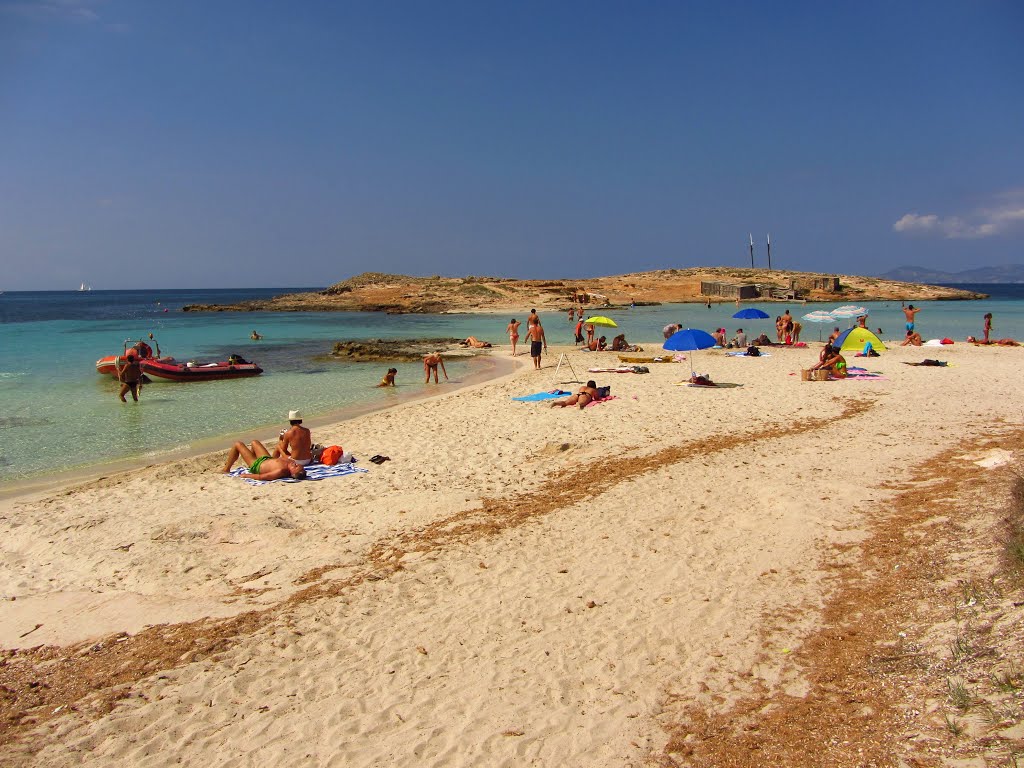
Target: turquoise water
58,414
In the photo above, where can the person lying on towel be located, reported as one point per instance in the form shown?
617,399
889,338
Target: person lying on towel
262,466
584,395
702,380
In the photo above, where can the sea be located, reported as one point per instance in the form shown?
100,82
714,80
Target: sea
58,416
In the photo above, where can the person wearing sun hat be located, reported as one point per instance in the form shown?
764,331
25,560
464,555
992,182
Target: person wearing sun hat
296,442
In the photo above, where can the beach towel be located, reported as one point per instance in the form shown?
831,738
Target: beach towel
538,396
715,385
602,400
313,472
620,369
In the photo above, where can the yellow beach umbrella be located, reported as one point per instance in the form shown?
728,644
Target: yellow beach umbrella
601,320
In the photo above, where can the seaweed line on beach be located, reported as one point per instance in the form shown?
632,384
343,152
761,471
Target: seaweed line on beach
37,684
885,654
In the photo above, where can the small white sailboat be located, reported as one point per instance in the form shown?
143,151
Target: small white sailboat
85,287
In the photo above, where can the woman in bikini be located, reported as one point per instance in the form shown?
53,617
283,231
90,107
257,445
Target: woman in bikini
513,334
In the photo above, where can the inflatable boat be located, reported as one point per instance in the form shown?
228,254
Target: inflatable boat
173,370
139,348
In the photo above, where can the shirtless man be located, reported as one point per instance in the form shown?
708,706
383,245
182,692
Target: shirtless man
262,466
513,334
430,363
129,374
295,442
584,395
536,337
913,340
910,313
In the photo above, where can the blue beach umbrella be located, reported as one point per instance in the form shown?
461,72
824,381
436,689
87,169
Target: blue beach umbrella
750,313
688,340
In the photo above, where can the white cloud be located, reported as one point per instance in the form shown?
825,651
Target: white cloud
53,10
985,222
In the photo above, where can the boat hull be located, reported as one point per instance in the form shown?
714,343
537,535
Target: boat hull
209,372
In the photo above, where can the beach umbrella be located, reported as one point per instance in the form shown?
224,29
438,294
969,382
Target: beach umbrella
689,340
750,313
856,339
601,320
819,316
849,310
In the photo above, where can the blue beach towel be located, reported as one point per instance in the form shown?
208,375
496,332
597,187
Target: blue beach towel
536,397
313,472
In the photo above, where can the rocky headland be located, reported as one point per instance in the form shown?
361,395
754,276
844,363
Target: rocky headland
379,292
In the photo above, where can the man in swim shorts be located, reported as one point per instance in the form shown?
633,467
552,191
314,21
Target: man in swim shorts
262,466
296,442
535,333
910,314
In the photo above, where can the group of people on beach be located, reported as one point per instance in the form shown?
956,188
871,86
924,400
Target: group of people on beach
294,451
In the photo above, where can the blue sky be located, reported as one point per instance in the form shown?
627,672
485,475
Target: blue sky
223,143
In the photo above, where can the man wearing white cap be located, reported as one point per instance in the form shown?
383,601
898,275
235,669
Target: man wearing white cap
296,442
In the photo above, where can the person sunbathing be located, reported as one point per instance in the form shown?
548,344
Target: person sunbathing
1000,342
913,339
619,344
835,364
261,465
473,341
702,380
584,395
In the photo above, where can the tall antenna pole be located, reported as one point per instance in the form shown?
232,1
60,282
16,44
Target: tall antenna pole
751,251
769,250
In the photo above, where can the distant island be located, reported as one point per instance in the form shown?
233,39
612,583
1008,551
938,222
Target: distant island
1007,273
374,291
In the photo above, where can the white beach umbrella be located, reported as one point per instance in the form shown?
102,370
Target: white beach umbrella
819,316
849,310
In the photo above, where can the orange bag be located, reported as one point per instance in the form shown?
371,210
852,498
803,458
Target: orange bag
331,454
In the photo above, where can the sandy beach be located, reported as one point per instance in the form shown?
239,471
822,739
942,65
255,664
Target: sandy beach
519,584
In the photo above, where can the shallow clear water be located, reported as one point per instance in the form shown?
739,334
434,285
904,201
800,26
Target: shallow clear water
58,414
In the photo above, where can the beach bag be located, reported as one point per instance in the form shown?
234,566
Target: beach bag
603,392
753,351
332,454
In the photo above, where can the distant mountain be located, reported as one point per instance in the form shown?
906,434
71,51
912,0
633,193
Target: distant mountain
1007,273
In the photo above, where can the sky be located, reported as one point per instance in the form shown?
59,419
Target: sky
242,143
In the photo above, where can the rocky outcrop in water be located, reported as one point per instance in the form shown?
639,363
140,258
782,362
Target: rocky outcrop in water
391,351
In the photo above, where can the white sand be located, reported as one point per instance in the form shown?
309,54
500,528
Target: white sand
628,565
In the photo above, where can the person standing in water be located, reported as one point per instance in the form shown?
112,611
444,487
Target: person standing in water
513,334
988,326
430,363
130,375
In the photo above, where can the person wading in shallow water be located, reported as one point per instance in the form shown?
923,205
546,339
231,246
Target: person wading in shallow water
430,363
130,376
